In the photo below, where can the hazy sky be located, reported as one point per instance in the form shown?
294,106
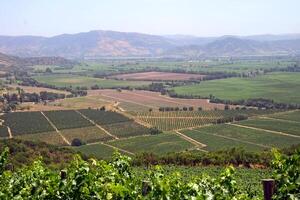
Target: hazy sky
192,17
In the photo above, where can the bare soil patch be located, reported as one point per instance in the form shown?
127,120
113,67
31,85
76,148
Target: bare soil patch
152,99
158,76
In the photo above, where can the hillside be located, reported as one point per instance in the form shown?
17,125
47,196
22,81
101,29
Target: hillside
7,61
97,44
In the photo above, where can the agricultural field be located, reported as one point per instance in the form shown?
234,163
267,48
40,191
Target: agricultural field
88,134
198,66
126,129
159,144
67,80
175,120
243,135
215,143
51,137
98,150
286,127
104,117
26,123
151,100
293,116
157,76
3,132
30,89
67,119
281,87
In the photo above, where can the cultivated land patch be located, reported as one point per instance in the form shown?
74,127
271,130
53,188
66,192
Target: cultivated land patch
158,76
286,127
126,129
3,132
88,134
175,120
26,123
250,136
48,137
293,116
67,119
281,87
159,144
98,150
153,100
66,80
215,142
30,89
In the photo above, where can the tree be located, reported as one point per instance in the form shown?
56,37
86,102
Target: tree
76,142
48,70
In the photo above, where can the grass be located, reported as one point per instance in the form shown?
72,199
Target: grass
47,137
159,144
281,87
80,102
215,143
292,128
86,134
67,80
291,116
250,135
98,150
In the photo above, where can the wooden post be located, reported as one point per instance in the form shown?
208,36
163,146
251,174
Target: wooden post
63,174
269,188
145,188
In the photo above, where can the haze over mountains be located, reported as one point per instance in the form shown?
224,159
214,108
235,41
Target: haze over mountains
97,44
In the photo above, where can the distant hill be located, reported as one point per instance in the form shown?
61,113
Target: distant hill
8,61
96,44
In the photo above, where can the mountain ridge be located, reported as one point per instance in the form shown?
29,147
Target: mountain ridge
99,43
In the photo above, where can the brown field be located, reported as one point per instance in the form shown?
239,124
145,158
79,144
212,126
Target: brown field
30,89
138,100
68,104
158,76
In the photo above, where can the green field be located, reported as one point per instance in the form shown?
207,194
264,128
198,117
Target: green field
281,87
159,144
245,135
237,66
88,134
215,143
67,80
98,150
291,116
288,127
47,137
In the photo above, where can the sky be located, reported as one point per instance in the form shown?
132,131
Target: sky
160,17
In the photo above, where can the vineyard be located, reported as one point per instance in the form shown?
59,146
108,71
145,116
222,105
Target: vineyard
67,119
117,179
26,123
3,132
186,119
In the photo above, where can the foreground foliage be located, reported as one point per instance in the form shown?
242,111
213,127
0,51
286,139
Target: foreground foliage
95,179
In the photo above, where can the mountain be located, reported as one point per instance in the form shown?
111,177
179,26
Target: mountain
7,61
86,45
234,47
97,44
